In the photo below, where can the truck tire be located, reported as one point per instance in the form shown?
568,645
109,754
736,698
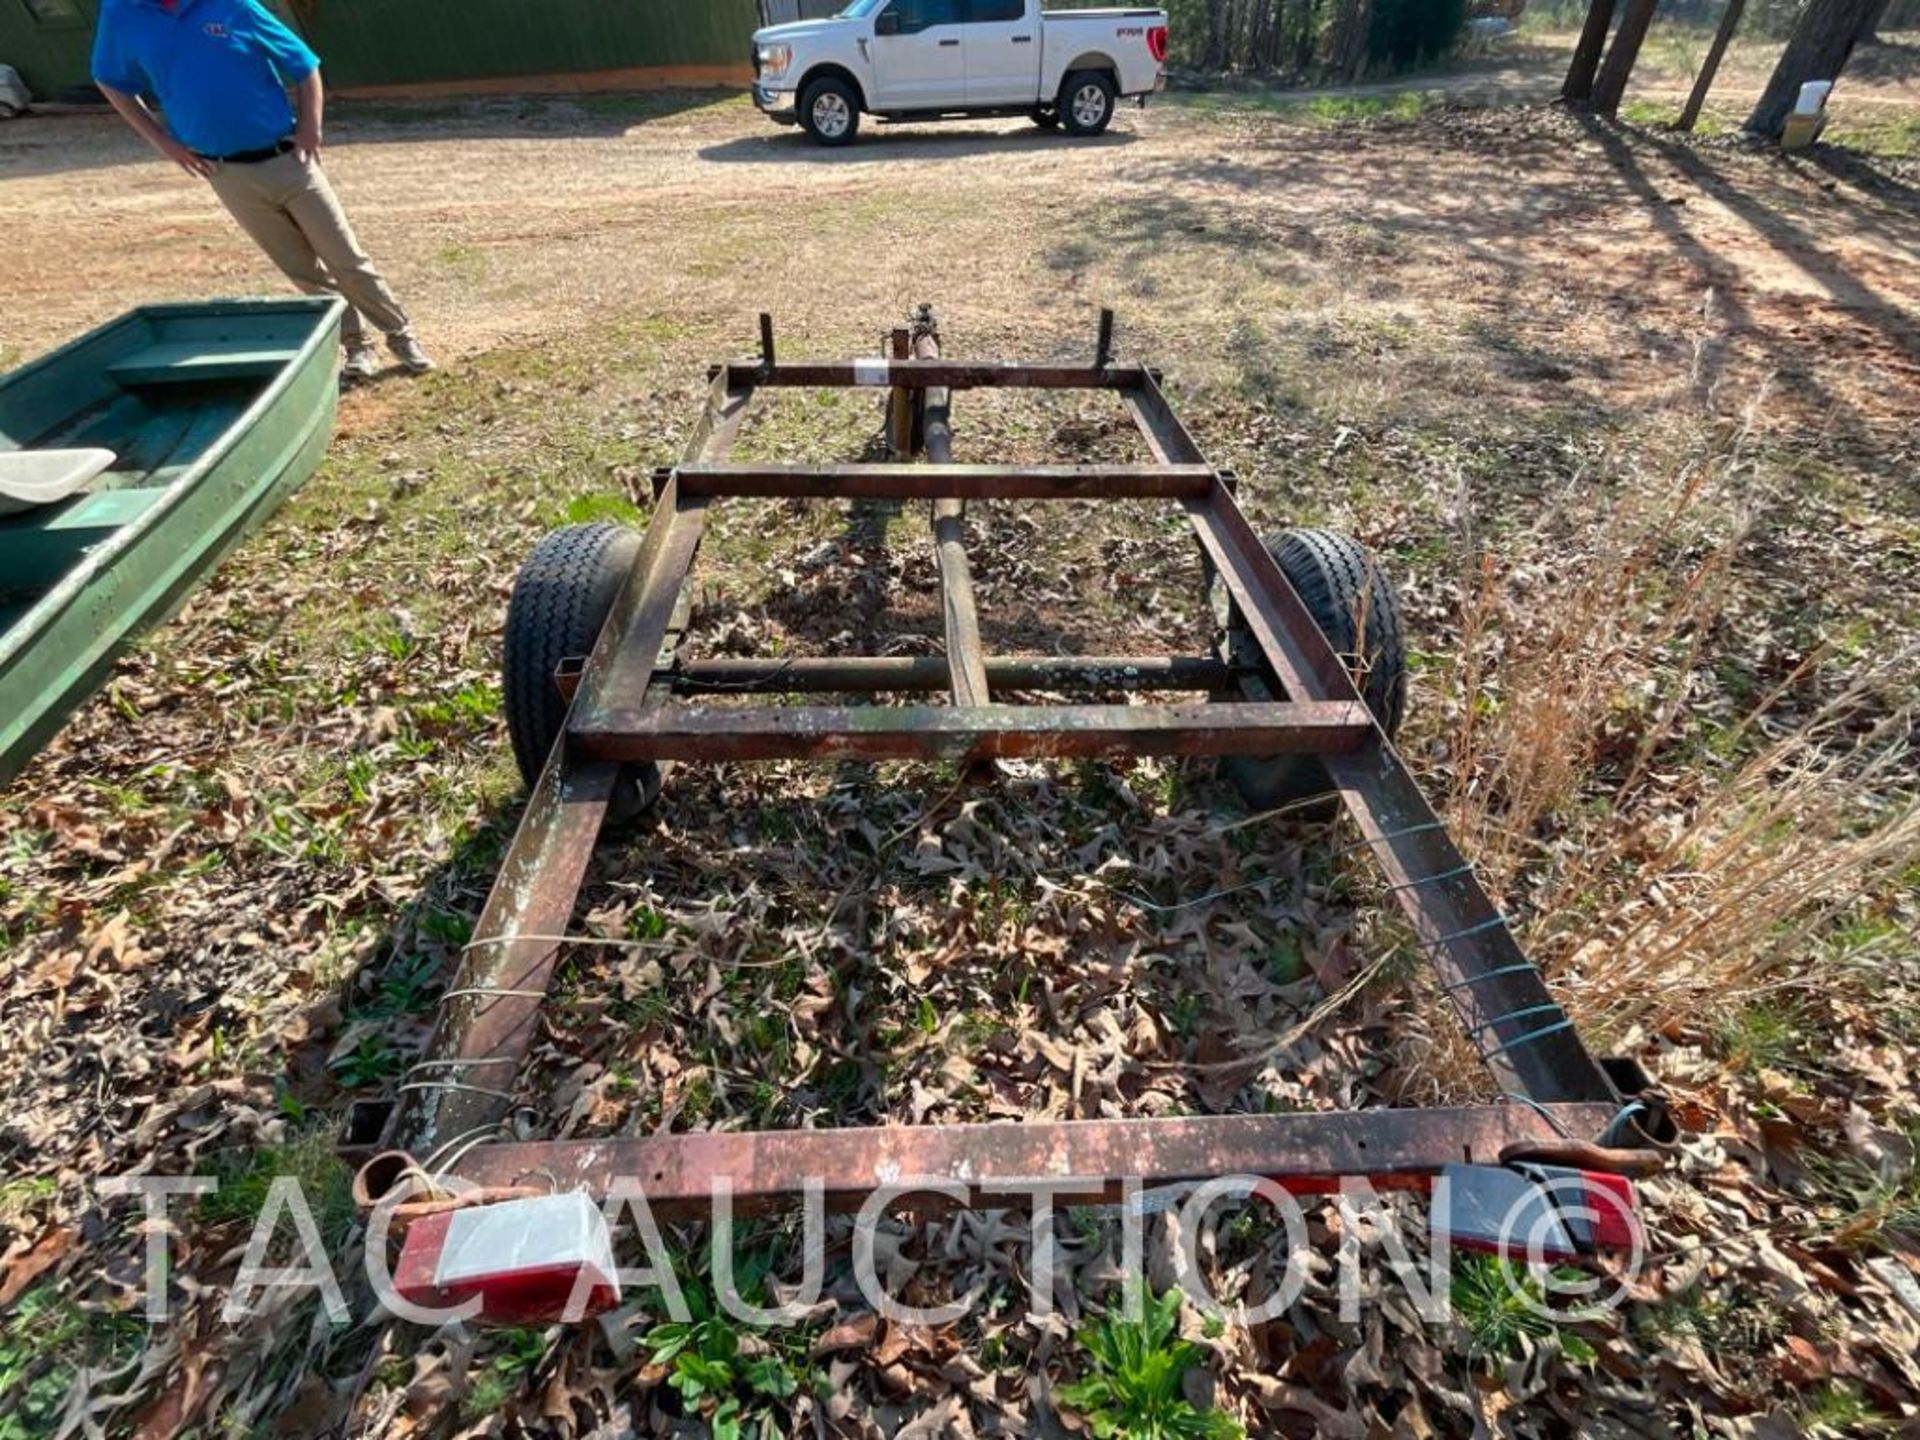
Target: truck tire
561,599
830,111
1338,581
1087,98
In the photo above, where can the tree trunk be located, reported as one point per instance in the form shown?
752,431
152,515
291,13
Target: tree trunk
1216,34
1261,46
1722,37
1347,50
1307,42
1586,54
1621,55
1821,44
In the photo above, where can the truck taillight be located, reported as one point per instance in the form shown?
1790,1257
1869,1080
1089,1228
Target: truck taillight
1157,43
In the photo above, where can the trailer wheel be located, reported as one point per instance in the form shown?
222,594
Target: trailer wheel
1341,584
561,599
1086,101
830,111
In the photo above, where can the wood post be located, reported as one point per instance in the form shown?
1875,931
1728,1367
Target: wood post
1586,54
1611,86
1729,22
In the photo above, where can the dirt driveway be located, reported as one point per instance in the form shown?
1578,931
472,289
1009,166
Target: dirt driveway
499,220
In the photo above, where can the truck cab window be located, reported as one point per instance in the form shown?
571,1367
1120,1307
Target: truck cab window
991,11
916,15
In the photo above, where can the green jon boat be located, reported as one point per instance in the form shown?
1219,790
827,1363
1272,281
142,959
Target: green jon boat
131,462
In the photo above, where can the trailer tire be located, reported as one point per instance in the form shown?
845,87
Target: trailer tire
1087,100
1339,581
830,111
561,599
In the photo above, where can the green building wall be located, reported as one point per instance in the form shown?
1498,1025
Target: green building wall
439,44
49,44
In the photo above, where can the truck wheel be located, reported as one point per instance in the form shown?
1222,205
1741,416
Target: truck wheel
1086,102
561,599
830,111
1339,582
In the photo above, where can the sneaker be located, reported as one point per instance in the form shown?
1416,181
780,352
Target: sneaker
412,358
362,363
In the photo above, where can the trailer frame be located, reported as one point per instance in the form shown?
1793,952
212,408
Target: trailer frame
634,699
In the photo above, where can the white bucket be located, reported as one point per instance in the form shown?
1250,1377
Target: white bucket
1813,97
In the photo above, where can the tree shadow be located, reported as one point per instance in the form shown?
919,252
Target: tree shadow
1869,178
1710,270
1784,345
906,140
1796,244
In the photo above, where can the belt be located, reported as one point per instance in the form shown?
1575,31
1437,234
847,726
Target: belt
253,157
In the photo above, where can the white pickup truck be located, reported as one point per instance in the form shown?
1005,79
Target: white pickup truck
943,59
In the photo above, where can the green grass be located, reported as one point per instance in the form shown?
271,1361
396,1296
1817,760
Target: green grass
44,1342
1134,1382
586,509
521,1349
246,1177
1324,111
736,1376
1355,109
1840,1411
1865,1207
1763,1036
1740,1325
1501,1308
1896,139
462,259
18,1197
1648,112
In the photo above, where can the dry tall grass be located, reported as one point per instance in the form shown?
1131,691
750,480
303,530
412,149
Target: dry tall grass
1669,852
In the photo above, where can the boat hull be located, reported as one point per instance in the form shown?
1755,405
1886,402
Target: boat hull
57,651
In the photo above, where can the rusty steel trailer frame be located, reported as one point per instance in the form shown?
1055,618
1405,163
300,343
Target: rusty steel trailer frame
633,699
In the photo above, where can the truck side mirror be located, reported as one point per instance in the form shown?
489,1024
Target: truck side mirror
887,22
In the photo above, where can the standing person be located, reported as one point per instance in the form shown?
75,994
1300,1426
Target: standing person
221,71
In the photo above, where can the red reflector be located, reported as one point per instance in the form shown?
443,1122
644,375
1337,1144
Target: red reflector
1616,1212
1157,43
525,1259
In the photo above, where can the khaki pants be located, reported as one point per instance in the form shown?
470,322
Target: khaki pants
290,211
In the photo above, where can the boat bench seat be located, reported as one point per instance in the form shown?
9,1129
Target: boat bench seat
194,361
36,549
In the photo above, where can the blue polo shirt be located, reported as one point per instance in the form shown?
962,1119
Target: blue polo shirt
219,68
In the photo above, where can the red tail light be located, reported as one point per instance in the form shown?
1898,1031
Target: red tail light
1157,44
